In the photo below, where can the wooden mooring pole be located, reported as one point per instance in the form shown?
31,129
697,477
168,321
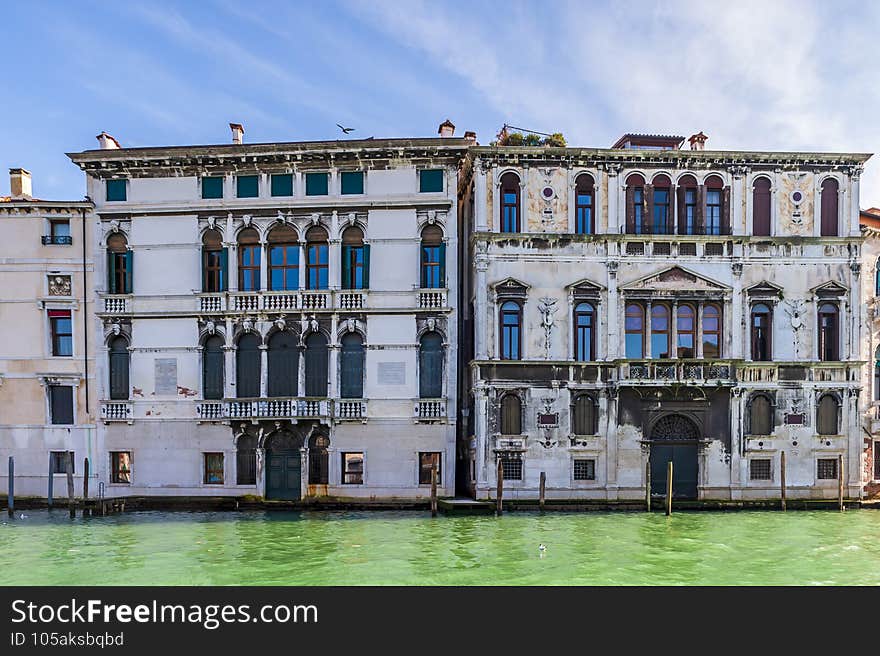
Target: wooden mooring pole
840,482
85,485
669,488
782,477
10,499
434,490
541,490
71,503
51,483
648,485
500,492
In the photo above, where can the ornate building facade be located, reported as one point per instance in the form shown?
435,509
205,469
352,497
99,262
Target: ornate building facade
645,304
277,320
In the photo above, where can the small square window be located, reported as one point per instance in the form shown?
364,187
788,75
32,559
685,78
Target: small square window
427,460
353,182
430,180
282,184
61,404
120,467
213,469
316,184
827,469
212,187
247,186
59,462
61,328
59,233
353,468
759,469
116,190
511,468
585,469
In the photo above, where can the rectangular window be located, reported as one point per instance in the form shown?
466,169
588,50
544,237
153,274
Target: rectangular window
690,212
353,182
511,467
213,273
826,469
353,267
427,460
430,180
638,199
120,467
61,404
61,328
318,266
431,267
316,184
759,469
212,187
116,190
585,470
213,469
713,212
661,211
282,184
59,463
353,468
247,186
283,267
59,233
249,267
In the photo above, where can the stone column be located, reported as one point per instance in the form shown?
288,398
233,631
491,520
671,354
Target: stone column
334,259
572,219
673,332
611,334
524,200
648,354
264,370
570,351
613,197
699,343
854,229
229,364
735,340
610,444
855,305
481,222
481,305
334,358
481,430
303,262
232,283
736,402
264,266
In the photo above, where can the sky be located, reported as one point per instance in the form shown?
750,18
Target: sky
753,75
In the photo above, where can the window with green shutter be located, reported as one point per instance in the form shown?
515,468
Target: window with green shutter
282,184
212,187
430,180
353,182
248,186
316,184
116,190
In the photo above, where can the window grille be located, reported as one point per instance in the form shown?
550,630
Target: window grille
759,469
585,470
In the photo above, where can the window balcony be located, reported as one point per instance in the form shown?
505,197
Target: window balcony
117,303
431,299
57,240
116,411
212,302
211,411
278,408
429,409
821,372
660,372
350,409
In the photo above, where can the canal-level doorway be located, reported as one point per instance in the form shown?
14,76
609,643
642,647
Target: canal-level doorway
675,438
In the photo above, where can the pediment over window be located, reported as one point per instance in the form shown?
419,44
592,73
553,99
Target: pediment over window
511,287
584,289
675,279
830,289
765,289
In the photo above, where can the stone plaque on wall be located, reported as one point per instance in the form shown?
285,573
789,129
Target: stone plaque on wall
166,376
59,286
392,373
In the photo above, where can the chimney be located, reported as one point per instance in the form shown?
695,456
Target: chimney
20,183
698,141
237,132
447,129
471,136
107,142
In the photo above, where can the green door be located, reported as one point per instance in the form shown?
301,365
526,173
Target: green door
283,466
684,469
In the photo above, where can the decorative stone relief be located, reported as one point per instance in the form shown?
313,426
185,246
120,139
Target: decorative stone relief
59,286
795,308
547,308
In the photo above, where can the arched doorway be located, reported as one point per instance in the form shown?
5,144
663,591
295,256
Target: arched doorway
675,438
283,466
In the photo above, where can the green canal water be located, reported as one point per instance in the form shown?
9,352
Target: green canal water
410,548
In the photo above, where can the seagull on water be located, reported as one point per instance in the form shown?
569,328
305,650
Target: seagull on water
542,548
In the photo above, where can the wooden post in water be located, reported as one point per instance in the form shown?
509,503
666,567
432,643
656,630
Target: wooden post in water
541,490
10,499
668,488
85,485
648,485
840,482
71,503
434,490
51,484
782,477
500,493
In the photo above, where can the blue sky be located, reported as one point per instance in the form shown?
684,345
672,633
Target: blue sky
768,75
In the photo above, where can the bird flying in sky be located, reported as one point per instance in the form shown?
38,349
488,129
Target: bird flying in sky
345,130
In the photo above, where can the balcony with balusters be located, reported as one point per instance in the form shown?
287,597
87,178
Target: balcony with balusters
429,410
663,372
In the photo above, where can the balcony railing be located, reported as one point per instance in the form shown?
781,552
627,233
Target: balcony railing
429,409
116,411
677,371
117,304
211,410
432,298
212,303
350,409
57,240
277,408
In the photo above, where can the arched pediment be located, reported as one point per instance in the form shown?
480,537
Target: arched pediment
765,289
676,278
830,289
511,287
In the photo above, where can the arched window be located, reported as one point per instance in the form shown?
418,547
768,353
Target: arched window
355,259
246,460
583,205
714,205
686,329
711,332
214,262
761,207
661,223
635,205
319,460
511,415
283,259
760,415
510,205
762,331
316,365
120,265
119,365
247,367
827,415
433,260
829,207
317,258
585,332
511,331
249,258
351,367
828,331
431,366
283,364
212,368
688,206
660,329
584,415
635,332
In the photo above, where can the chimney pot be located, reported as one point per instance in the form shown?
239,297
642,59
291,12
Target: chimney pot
698,141
107,142
471,136
20,183
237,132
447,128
